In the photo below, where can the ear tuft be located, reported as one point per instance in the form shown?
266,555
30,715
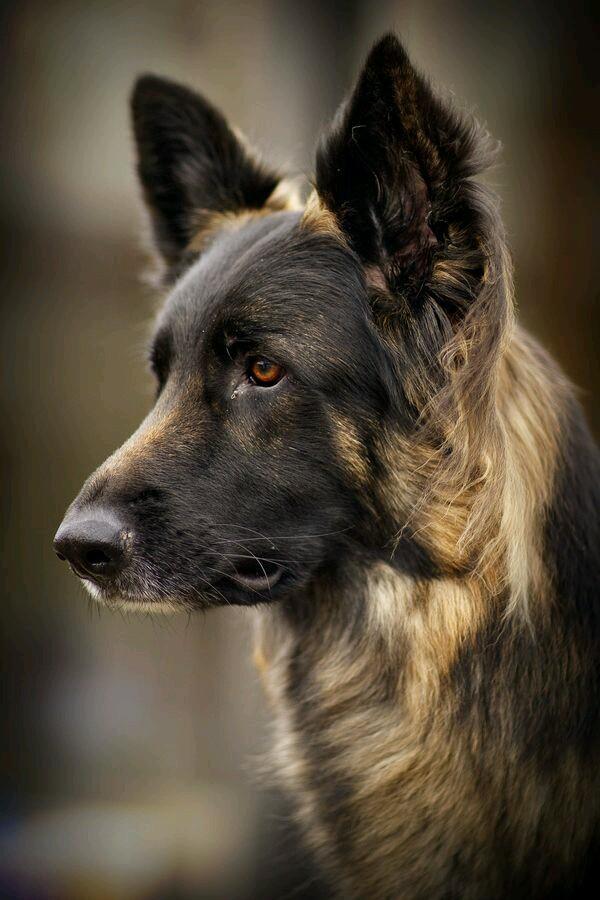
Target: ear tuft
191,164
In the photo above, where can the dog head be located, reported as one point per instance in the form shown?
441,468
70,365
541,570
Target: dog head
290,342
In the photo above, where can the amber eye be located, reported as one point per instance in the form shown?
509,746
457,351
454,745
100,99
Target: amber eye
265,373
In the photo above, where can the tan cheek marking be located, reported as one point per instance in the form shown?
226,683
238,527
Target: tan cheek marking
349,447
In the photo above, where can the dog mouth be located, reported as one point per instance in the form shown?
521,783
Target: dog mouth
256,574
247,574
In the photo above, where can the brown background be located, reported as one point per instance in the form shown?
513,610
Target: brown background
128,746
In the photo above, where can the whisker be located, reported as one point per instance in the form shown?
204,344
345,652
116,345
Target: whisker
243,528
212,587
234,556
285,537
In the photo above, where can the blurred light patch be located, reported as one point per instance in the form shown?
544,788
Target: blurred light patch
195,843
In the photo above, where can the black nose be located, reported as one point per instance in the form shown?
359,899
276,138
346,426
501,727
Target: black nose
92,546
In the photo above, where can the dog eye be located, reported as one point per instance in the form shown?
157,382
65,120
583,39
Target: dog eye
265,373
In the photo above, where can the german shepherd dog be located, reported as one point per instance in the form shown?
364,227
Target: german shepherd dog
351,434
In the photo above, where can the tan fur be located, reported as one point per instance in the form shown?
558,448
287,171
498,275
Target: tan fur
317,217
285,197
384,750
532,395
405,766
170,424
484,516
211,222
154,430
350,448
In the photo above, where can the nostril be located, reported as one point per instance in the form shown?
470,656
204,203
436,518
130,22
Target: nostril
96,557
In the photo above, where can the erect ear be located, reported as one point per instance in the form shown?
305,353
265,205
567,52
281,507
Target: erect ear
393,171
191,165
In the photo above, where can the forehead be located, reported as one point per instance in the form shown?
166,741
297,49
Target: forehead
269,272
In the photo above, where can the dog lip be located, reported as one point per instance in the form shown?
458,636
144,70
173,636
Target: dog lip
84,576
259,582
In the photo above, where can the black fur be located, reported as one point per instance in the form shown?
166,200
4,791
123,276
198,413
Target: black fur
190,164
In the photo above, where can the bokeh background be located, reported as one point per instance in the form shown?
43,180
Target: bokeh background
129,745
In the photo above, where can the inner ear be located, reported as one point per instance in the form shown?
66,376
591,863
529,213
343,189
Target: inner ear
193,167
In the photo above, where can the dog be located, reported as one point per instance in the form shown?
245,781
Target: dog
352,435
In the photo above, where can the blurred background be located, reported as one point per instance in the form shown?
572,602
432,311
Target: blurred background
129,745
